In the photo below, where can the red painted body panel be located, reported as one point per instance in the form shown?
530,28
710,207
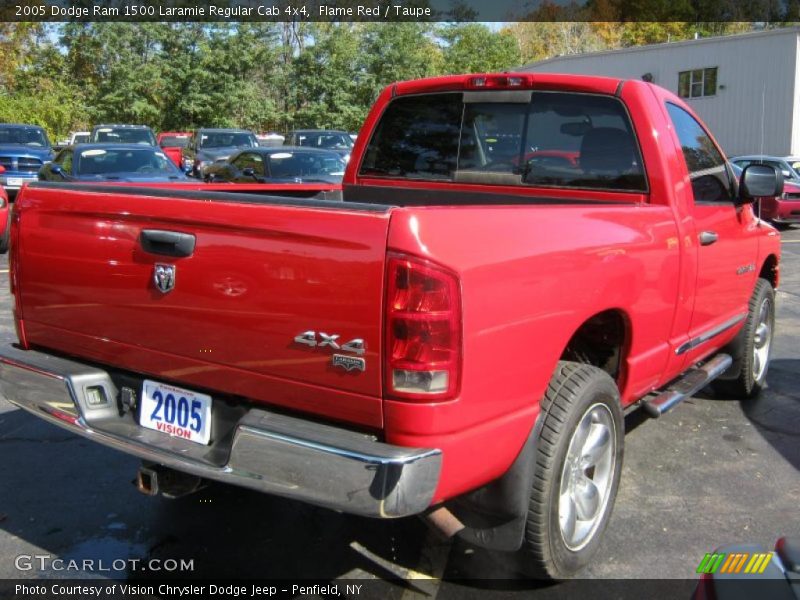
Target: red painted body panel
720,277
520,309
530,276
259,276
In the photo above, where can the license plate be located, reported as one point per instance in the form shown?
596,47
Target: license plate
175,411
14,181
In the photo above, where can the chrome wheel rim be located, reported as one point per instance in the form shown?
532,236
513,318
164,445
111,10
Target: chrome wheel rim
762,340
587,476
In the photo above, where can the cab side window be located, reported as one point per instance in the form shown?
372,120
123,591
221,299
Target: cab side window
241,162
250,160
705,163
258,165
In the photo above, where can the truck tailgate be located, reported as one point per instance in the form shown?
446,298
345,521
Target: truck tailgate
262,272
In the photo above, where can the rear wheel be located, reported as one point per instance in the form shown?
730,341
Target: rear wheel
578,465
752,346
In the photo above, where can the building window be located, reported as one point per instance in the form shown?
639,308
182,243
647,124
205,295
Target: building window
697,82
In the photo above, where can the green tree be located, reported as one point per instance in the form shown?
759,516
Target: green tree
396,52
327,78
15,40
541,40
121,65
30,93
474,48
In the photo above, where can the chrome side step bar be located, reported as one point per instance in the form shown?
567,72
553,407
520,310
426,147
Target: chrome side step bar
690,383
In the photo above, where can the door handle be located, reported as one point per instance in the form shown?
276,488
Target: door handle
708,237
169,243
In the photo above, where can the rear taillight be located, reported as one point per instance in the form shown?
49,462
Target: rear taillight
423,331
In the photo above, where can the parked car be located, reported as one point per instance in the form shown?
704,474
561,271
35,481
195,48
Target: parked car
173,143
283,164
5,218
111,162
209,145
458,337
788,166
270,139
79,137
337,141
122,134
23,151
783,210
76,137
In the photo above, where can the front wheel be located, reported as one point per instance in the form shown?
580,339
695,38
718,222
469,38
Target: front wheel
578,466
752,347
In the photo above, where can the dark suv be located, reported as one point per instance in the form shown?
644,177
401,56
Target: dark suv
323,139
122,134
209,145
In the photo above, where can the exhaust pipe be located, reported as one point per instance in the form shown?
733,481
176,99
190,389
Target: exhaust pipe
444,522
152,480
147,481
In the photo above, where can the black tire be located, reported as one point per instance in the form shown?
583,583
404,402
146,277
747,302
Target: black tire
747,375
575,392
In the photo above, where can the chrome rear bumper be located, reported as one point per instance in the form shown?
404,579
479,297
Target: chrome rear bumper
286,456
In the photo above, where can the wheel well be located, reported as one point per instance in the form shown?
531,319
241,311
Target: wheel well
600,342
769,270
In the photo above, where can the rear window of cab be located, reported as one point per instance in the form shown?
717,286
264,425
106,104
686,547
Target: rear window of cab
549,139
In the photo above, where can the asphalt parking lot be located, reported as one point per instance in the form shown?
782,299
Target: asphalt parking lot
710,473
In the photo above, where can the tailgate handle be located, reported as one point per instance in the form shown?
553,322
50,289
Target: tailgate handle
169,243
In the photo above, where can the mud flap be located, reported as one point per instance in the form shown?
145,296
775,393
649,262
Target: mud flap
494,515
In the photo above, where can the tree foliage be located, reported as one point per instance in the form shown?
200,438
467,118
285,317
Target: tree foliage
474,48
549,35
278,76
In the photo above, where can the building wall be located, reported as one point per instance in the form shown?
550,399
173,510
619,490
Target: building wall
756,106
796,102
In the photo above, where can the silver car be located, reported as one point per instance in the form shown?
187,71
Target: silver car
788,165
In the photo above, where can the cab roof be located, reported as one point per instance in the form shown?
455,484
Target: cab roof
510,81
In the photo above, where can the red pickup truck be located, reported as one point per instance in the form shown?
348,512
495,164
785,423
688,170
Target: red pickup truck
459,336
172,143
